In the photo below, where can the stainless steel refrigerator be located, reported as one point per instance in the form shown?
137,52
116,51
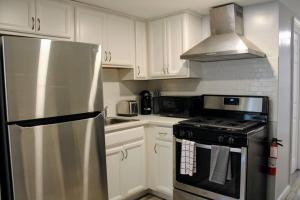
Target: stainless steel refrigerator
52,127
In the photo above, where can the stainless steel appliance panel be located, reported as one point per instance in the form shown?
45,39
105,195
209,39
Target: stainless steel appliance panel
232,103
45,78
64,161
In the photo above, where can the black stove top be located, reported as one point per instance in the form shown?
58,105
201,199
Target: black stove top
221,123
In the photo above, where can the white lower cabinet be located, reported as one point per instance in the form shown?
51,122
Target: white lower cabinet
133,169
160,156
113,162
164,167
137,161
126,172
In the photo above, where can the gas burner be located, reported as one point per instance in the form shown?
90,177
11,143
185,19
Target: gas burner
220,123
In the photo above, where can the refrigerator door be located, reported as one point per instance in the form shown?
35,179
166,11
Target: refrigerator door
45,78
64,161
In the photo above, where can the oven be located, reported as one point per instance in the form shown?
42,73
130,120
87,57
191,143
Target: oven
199,183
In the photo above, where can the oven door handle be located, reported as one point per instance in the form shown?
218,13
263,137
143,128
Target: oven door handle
205,146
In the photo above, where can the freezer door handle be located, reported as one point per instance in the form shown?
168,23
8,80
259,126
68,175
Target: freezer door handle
56,120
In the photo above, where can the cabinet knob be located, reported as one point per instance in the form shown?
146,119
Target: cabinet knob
155,148
33,23
105,56
139,71
39,24
109,56
123,156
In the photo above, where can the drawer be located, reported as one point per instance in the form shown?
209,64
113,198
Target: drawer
124,136
163,133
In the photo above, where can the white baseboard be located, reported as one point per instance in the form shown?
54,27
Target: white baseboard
285,193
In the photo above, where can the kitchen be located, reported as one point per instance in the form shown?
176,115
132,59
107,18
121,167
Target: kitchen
142,43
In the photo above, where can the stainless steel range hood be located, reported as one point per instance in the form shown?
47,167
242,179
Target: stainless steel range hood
227,41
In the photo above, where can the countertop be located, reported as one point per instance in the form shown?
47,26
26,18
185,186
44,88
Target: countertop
144,120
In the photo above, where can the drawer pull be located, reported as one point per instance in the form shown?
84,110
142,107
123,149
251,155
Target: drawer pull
163,133
155,148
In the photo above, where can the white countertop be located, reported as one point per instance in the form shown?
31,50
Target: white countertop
144,120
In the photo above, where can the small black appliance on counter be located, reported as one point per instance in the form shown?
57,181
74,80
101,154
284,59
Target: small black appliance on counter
177,106
146,102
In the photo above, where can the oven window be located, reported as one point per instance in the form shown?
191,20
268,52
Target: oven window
201,178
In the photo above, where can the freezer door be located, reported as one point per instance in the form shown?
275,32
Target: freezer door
64,161
45,78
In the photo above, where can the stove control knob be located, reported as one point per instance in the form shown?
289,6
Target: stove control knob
190,134
221,139
181,133
230,140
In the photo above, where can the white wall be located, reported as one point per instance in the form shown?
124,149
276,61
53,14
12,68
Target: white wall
285,97
115,90
246,77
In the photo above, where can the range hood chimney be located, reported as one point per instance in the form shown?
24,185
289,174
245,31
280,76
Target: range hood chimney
227,41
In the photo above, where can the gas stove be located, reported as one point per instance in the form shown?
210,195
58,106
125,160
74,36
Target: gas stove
240,125
225,120
222,123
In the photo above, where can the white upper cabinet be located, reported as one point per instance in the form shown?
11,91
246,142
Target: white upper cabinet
17,15
114,33
89,26
174,45
44,17
119,41
140,50
156,48
168,39
54,18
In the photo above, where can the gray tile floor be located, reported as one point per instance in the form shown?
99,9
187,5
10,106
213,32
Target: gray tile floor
295,190
150,197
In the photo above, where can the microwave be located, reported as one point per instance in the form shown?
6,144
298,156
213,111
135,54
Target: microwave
177,106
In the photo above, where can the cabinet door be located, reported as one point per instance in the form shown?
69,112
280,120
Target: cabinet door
156,48
164,166
120,40
17,15
174,29
141,50
114,159
54,18
89,26
133,169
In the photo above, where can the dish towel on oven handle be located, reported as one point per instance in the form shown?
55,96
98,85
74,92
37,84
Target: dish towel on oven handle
188,158
220,164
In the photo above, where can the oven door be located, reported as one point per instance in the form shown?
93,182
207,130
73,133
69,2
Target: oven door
199,183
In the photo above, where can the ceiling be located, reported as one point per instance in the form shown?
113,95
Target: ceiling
155,8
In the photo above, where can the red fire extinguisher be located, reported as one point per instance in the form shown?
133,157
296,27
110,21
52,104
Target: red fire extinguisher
273,156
